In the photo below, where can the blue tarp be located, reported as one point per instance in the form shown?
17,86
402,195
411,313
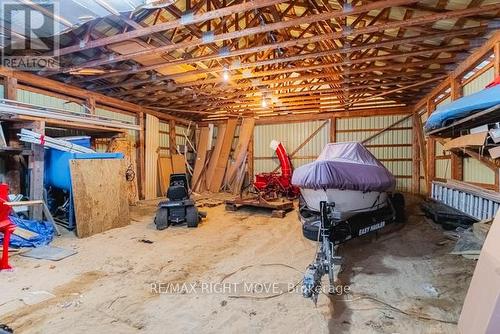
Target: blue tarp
43,229
463,107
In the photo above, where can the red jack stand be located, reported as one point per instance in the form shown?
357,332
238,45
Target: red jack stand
6,226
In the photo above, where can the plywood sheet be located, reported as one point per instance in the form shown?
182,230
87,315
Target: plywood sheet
222,160
178,164
99,195
125,145
475,139
201,155
164,170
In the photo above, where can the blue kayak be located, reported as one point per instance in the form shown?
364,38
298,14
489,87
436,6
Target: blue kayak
463,107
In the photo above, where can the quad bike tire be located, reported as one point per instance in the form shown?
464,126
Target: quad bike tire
398,202
192,217
161,219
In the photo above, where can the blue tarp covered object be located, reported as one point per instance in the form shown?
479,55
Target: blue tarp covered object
463,107
43,229
346,165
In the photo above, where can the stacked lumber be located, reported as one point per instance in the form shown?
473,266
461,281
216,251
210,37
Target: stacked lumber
215,169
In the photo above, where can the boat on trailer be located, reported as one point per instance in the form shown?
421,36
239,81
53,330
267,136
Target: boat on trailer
346,174
346,193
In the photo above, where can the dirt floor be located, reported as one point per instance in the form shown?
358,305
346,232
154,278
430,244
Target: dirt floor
401,281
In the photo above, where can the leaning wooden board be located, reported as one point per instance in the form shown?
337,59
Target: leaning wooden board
222,159
99,195
164,170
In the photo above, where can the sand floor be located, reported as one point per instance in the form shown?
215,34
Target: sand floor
113,283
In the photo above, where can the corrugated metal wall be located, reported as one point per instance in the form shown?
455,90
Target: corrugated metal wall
474,171
393,147
291,135
48,101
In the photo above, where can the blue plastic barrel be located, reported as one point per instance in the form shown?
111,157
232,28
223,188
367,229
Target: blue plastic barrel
57,172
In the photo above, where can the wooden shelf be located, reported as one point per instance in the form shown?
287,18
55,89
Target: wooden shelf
14,151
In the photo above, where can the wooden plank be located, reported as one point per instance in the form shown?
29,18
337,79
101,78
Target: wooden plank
250,158
201,155
481,309
416,159
172,139
240,152
99,195
152,148
141,155
178,164
164,170
10,90
221,163
214,157
474,139
333,130
36,165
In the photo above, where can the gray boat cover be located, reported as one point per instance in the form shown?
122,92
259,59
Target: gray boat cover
346,166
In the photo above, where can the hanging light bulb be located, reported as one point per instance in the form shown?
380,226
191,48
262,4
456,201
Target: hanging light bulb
225,75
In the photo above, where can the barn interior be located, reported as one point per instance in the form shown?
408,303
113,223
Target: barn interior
261,166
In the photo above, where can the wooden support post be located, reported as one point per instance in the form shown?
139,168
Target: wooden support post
250,159
90,103
36,167
10,92
172,137
415,181
418,129
431,152
456,160
497,59
141,157
333,130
